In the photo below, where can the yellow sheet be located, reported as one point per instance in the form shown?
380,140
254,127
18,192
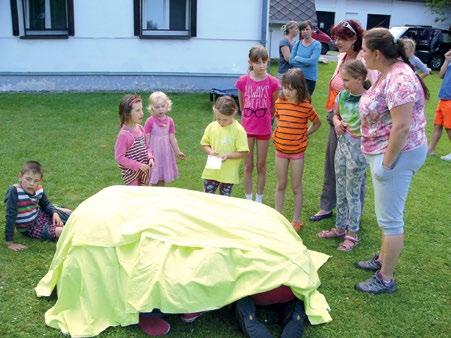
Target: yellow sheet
127,250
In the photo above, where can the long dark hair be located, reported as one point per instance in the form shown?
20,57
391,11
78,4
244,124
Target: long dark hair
381,39
294,79
126,105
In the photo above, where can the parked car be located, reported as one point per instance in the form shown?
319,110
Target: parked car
432,43
326,42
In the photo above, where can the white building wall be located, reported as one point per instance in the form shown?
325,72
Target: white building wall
401,12
104,42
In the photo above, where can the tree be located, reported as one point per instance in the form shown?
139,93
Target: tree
438,8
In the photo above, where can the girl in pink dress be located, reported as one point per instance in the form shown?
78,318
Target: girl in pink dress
160,136
131,152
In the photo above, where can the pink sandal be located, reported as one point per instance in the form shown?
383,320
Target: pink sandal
332,233
348,244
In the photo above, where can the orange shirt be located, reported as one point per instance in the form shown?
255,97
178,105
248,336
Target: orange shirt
290,136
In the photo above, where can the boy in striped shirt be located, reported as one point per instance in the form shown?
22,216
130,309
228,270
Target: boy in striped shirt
29,210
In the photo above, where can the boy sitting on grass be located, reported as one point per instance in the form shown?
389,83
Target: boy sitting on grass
29,210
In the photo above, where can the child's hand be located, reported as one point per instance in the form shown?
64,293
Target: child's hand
224,157
212,152
15,246
145,167
340,127
56,220
181,156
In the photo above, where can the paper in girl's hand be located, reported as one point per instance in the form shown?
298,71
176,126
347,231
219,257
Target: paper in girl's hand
213,162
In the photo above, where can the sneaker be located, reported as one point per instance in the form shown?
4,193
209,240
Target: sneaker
294,320
377,285
190,317
446,157
154,326
245,313
373,264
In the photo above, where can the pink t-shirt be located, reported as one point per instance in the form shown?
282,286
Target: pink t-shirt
400,86
124,141
160,122
257,103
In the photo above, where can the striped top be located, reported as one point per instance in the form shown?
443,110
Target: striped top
130,152
22,209
27,206
290,136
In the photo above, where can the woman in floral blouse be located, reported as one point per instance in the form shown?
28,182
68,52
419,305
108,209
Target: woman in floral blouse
394,142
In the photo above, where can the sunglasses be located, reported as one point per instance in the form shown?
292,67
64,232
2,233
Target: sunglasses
347,25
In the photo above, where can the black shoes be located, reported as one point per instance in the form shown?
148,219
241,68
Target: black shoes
245,313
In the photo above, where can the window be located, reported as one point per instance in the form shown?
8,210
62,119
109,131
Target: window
42,18
165,18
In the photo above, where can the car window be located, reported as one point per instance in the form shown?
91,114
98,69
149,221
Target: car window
446,36
411,33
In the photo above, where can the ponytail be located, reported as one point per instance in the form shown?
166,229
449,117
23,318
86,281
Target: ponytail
382,40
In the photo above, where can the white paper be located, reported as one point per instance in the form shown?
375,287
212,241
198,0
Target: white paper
213,162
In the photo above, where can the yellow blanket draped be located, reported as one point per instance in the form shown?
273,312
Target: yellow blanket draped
127,250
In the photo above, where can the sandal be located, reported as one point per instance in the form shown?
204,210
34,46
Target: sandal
332,233
348,244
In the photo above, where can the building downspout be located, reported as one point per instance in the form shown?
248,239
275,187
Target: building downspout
265,15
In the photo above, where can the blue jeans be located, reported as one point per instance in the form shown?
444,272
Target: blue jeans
391,187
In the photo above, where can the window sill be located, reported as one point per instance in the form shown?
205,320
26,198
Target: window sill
44,37
165,36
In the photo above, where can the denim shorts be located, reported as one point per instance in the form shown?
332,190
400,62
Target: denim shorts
391,187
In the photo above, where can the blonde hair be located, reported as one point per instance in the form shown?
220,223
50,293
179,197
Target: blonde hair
289,25
409,43
159,95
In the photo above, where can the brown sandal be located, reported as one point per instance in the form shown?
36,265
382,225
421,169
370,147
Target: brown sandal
332,233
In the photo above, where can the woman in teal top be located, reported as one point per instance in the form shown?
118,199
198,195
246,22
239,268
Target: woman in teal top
305,55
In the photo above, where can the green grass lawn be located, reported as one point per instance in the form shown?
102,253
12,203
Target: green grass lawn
73,136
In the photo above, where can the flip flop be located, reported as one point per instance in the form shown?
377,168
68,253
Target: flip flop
316,218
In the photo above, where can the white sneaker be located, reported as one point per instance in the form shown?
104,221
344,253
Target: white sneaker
446,157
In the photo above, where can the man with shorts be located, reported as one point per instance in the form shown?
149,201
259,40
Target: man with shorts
443,111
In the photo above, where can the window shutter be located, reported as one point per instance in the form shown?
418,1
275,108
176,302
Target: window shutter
137,17
14,17
70,18
193,15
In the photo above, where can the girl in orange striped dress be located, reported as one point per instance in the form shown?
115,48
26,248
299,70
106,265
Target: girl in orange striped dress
293,110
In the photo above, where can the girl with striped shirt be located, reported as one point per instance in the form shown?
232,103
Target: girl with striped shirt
293,110
132,154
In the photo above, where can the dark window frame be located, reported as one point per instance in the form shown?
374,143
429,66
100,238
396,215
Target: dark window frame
147,33
18,15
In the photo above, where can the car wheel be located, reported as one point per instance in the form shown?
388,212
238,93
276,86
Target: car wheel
436,61
324,48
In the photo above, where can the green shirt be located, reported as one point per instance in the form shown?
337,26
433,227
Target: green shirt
224,140
348,108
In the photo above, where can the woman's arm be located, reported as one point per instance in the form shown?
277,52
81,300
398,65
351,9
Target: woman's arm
316,52
286,53
401,123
